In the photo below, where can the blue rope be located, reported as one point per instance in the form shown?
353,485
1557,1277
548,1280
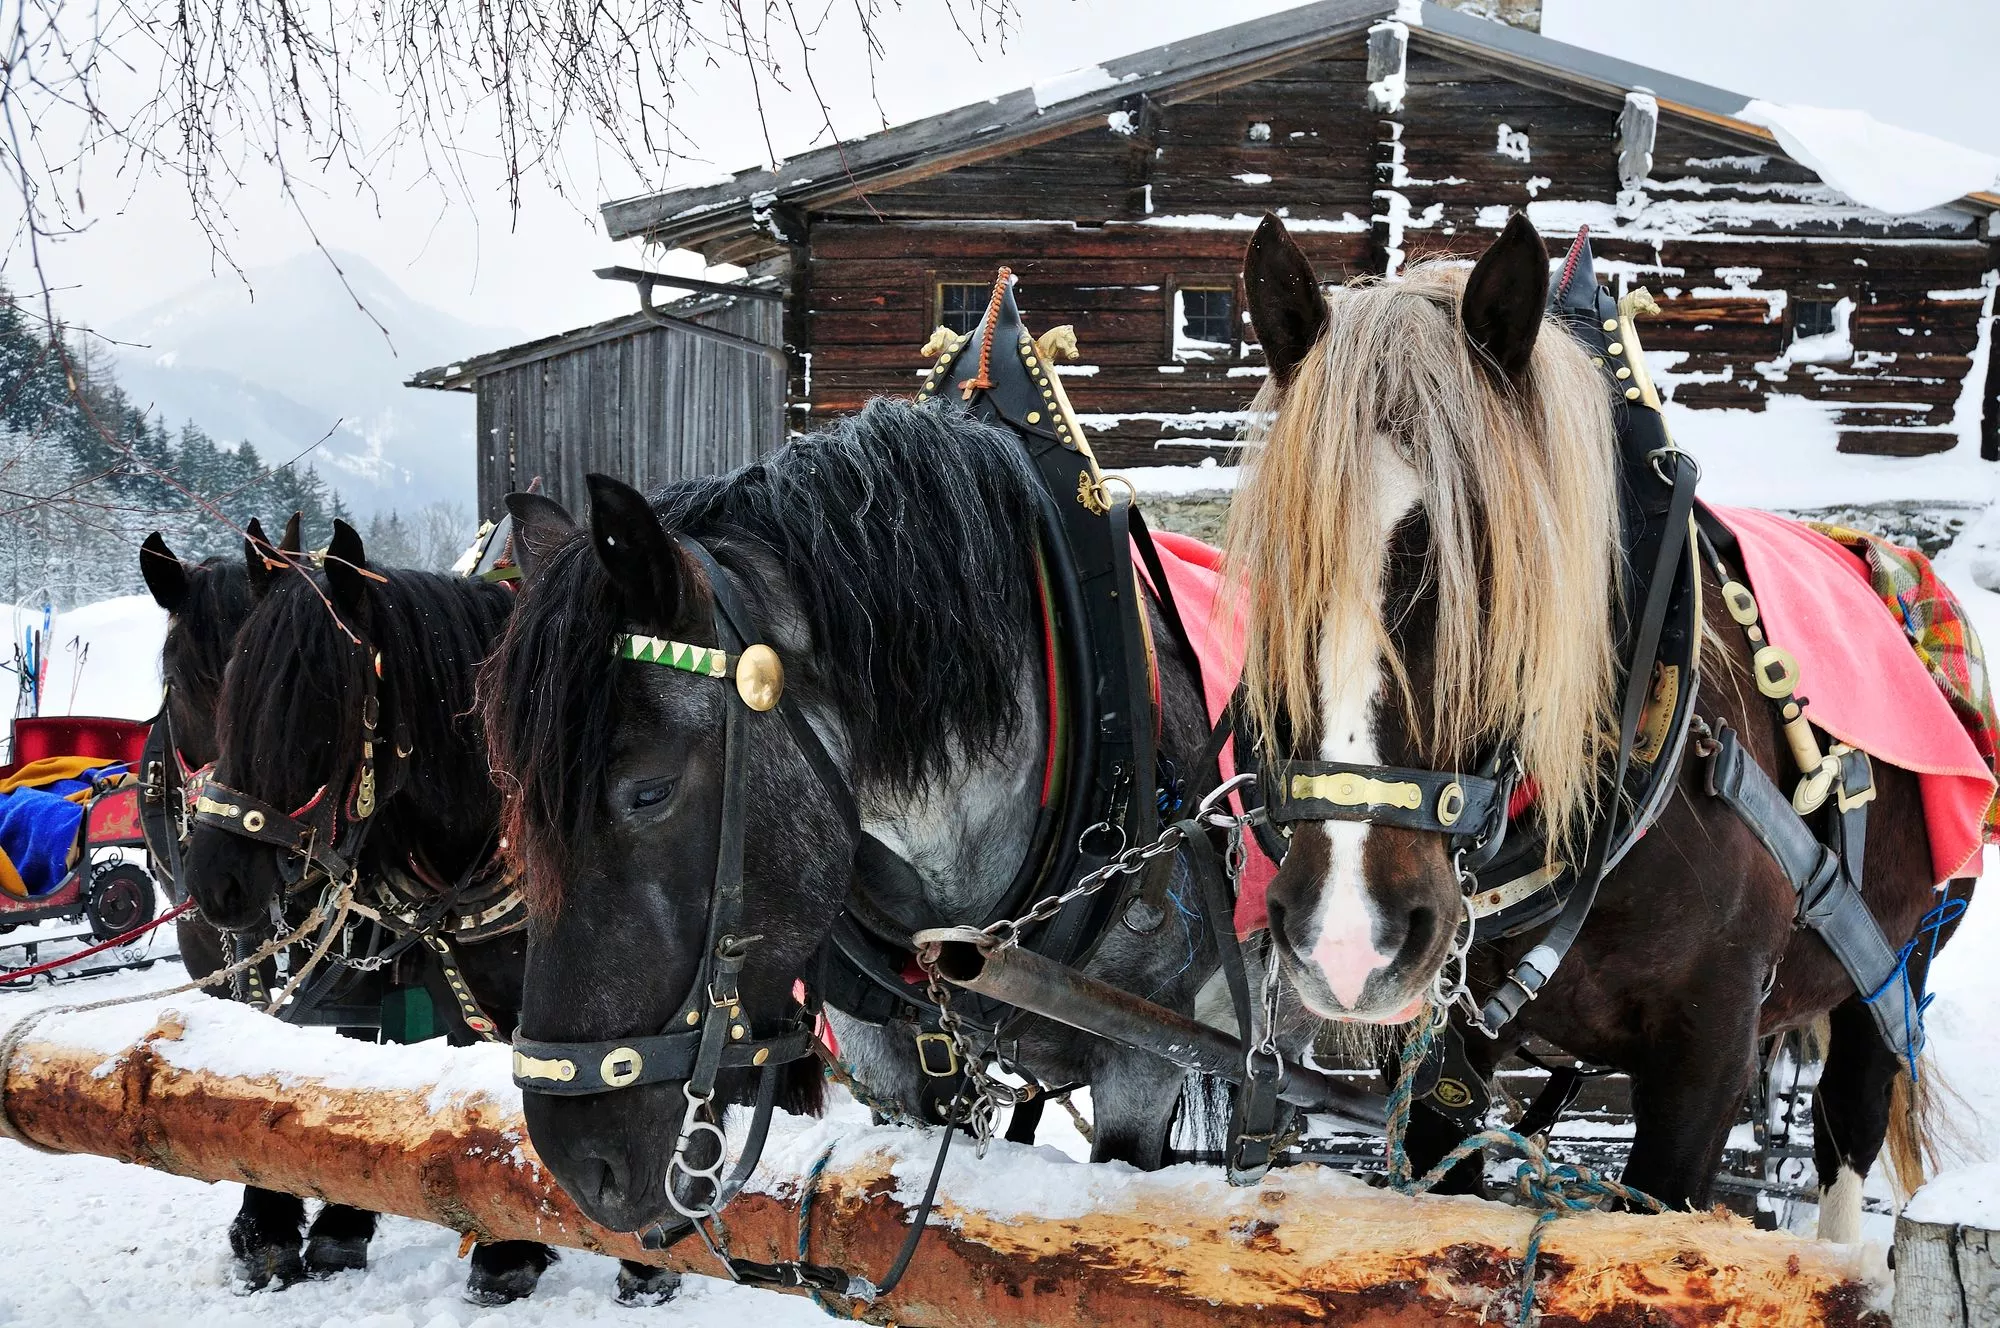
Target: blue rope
1932,925
1555,1189
806,1197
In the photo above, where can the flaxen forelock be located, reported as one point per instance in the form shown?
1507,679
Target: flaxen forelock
1521,494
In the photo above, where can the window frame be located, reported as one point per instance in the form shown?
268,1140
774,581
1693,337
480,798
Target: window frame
1232,346
1820,301
985,289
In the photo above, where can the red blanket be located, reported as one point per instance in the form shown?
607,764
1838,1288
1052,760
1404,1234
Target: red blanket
1194,572
1861,680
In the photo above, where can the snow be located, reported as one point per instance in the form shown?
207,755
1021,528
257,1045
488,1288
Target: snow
1969,1196
1076,83
1180,481
1784,457
1880,166
104,658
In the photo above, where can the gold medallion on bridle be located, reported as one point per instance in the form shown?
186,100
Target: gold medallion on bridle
760,677
621,1066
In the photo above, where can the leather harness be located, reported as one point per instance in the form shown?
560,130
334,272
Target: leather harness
1666,534
1104,761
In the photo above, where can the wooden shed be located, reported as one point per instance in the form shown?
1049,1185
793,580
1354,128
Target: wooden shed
688,388
1123,195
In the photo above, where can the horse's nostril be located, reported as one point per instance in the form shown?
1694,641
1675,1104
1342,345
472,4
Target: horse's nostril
594,1177
1423,926
1275,912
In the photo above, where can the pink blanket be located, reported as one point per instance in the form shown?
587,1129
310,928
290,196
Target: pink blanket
1194,572
1862,682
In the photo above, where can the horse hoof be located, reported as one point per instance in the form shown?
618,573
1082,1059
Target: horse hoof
260,1263
327,1255
266,1267
650,1286
505,1271
489,1289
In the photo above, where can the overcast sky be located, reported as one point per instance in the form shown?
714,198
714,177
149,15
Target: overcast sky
1925,64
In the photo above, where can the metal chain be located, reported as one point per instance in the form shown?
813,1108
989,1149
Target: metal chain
978,1105
985,1093
1451,985
1130,862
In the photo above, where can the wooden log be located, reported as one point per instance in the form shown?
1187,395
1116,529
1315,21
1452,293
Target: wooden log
1947,1258
214,1091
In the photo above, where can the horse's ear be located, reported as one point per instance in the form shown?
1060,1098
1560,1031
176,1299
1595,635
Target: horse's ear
635,550
1504,300
347,568
290,542
163,573
541,526
1286,306
257,559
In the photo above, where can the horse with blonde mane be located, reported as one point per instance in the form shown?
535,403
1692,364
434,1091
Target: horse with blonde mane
1429,541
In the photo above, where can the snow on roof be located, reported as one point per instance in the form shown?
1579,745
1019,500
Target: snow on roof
1878,165
1074,83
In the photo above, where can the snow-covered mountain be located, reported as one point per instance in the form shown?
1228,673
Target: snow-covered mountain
287,357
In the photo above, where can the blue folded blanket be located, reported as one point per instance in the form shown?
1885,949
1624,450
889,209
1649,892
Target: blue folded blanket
37,831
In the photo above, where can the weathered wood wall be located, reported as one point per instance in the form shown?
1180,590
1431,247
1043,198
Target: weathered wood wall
1102,225
645,402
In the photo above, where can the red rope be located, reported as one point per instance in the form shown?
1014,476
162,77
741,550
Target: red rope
1569,264
12,974
985,378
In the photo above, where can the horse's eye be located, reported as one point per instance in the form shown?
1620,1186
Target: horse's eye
653,792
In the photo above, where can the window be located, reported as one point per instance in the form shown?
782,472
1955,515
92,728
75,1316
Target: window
1813,318
1204,321
961,304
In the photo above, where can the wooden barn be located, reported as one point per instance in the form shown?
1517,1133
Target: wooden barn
1123,195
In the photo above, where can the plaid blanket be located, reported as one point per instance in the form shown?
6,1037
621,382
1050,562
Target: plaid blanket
1940,634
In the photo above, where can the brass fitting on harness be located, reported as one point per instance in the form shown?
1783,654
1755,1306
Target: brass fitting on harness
1776,673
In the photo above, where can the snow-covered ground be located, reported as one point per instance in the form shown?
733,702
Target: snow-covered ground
88,1241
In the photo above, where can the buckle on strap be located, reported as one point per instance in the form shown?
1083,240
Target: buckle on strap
930,1043
1856,785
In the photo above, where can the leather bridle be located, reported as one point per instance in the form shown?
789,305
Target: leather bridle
1469,810
327,833
708,1031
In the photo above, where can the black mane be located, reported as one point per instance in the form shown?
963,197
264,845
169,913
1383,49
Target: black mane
197,650
290,719
907,535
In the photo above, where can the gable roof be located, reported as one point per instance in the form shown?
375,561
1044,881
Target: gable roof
1213,61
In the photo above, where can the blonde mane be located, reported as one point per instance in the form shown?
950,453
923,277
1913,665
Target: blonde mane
1521,495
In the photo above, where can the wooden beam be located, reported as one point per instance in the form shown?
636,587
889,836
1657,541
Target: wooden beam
214,1091
647,281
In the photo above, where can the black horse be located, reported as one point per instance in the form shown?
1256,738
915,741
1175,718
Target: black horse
891,563
206,604
290,724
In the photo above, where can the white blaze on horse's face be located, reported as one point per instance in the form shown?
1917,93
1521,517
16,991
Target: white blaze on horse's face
1348,918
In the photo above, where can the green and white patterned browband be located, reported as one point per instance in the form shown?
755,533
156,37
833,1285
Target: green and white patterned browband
705,660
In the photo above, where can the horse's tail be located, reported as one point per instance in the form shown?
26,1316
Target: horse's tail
1921,1111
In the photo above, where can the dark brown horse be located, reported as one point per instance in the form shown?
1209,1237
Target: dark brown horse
1429,537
